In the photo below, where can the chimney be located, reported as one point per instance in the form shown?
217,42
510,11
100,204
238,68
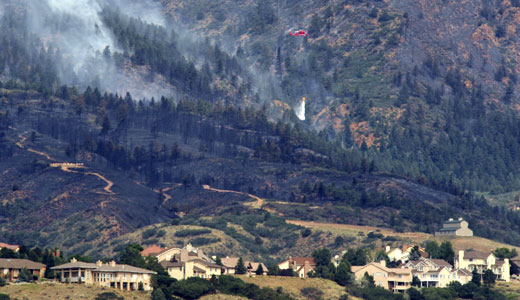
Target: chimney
184,255
113,263
99,263
383,263
461,255
306,267
200,253
189,247
73,260
387,248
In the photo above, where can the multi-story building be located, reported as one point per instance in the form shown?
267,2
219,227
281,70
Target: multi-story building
481,261
112,275
188,262
394,279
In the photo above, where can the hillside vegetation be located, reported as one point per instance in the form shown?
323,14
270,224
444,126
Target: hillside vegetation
56,291
404,129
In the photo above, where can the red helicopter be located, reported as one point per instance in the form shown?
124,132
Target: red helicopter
298,33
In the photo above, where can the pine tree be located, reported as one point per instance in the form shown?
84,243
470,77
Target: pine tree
260,270
343,275
240,269
475,278
158,295
489,277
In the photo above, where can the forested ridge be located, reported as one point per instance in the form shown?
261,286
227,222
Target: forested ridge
407,148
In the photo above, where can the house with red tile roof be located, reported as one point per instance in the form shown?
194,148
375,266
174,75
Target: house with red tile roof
15,248
152,250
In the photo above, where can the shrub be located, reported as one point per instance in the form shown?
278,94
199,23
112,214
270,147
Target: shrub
109,296
192,288
191,232
312,293
149,233
201,241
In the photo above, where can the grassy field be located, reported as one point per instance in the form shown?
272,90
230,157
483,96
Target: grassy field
222,297
56,291
294,285
511,289
459,243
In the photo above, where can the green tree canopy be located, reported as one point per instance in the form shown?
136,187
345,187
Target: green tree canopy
240,268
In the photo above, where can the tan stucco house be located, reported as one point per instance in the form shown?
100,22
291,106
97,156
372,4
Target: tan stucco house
230,264
10,268
393,279
111,275
188,262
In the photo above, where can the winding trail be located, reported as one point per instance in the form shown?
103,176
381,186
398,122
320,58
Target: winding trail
66,167
259,201
163,192
258,204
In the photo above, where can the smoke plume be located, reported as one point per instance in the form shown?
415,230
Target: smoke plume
76,30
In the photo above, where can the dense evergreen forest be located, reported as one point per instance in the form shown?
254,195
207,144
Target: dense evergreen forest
465,146
447,137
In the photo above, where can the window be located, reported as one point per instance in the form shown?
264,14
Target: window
378,274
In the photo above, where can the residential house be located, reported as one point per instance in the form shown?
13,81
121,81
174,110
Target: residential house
481,261
461,275
10,268
230,264
169,253
189,262
455,227
15,248
403,254
111,275
427,264
153,250
393,279
301,265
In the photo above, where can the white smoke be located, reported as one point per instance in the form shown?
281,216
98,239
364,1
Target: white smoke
76,29
300,110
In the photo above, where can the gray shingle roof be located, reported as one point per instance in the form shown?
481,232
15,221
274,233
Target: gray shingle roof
75,265
14,263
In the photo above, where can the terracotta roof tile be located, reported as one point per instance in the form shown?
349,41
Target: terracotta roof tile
154,249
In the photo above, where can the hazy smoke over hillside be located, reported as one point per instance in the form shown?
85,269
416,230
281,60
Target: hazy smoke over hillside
76,29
